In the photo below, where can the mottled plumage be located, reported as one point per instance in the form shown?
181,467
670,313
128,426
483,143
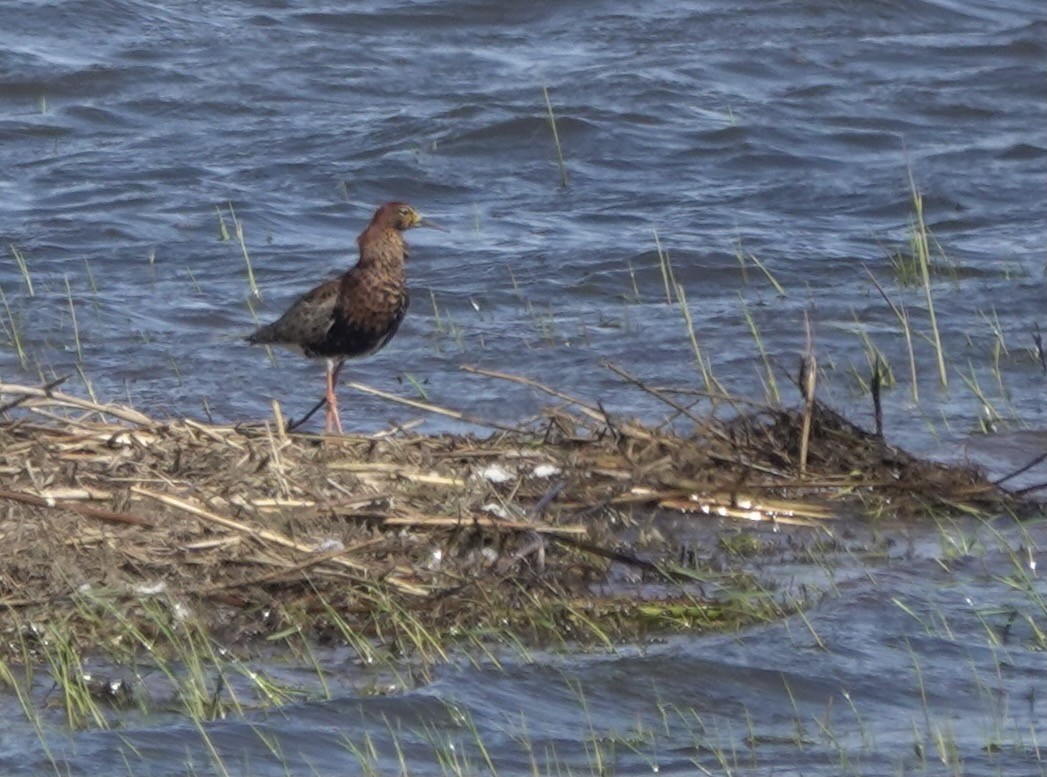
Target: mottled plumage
358,313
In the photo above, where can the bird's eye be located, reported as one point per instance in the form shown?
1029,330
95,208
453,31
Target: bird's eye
405,211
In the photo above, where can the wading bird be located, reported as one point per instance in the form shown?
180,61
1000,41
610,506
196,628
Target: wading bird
355,314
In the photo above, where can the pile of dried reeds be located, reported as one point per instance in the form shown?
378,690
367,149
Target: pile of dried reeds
452,530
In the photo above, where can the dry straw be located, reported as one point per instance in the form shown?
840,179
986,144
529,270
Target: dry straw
417,526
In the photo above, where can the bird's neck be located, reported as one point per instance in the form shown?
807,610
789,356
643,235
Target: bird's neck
382,247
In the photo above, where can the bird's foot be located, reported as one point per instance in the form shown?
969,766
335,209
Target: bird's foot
333,422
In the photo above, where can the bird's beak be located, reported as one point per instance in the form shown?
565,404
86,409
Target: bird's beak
420,222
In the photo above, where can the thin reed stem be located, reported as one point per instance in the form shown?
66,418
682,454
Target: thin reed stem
12,330
666,266
76,326
238,228
23,268
704,368
773,394
923,254
556,138
774,281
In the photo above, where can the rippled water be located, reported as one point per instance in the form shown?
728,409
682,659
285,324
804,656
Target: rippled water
783,130
919,661
786,129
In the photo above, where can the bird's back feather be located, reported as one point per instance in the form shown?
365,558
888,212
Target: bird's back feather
307,321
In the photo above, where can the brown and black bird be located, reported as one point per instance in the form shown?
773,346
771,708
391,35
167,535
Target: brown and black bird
357,313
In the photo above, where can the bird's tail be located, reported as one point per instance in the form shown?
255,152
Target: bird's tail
261,336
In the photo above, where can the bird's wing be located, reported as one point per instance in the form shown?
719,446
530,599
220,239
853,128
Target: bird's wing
307,321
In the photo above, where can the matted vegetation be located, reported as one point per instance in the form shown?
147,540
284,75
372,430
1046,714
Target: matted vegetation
412,539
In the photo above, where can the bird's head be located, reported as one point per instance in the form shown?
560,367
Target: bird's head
401,216
398,215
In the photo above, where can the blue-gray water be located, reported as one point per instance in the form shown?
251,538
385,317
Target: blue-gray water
787,131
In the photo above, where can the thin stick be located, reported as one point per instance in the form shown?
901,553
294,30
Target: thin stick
47,388
473,370
1030,489
79,509
218,434
703,423
292,425
755,513
739,401
587,409
58,398
418,405
877,381
285,572
482,520
808,379
623,557
268,536
1020,470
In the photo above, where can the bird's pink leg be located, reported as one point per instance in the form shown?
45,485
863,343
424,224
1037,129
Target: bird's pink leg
333,422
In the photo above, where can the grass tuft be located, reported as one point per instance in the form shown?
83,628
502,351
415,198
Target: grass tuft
916,267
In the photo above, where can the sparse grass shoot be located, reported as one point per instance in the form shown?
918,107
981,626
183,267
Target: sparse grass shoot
668,277
768,379
76,325
12,330
767,273
709,383
916,267
238,230
23,268
556,138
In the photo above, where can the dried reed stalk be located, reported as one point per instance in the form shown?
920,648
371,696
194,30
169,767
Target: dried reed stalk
267,535
50,398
